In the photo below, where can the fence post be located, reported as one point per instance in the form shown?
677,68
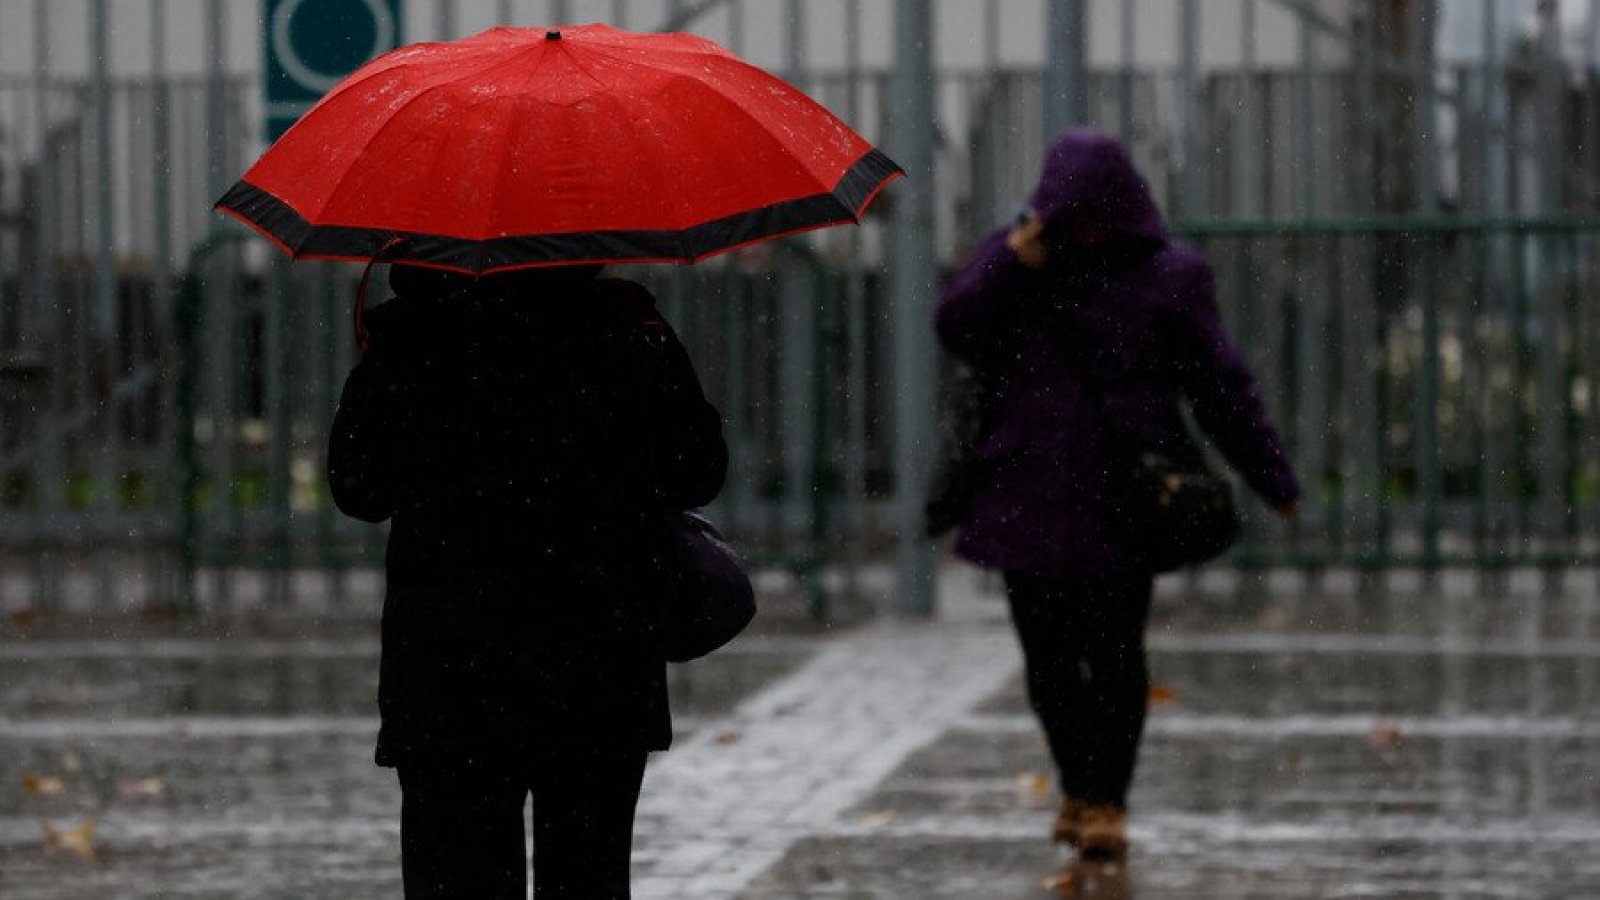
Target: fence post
46,321
1066,66
104,339
913,286
1423,28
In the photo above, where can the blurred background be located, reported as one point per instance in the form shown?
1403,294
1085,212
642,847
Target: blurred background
1398,196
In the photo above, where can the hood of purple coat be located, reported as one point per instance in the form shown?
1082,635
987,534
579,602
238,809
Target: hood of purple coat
1089,181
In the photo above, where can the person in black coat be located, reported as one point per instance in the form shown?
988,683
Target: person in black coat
521,432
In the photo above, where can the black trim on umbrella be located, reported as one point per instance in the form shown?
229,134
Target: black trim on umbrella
300,238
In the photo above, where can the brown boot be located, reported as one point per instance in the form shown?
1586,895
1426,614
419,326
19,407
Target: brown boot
1102,833
1067,828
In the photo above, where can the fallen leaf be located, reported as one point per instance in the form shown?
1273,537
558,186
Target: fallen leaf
138,788
1162,695
78,841
44,785
881,819
23,618
71,761
1063,883
1034,785
728,738
1385,735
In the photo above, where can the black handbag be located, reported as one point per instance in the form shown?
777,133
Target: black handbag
709,595
1166,505
1172,515
709,598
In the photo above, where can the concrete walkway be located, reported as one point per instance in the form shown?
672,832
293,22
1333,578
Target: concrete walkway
1304,743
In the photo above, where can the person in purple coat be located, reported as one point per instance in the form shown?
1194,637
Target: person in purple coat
1085,311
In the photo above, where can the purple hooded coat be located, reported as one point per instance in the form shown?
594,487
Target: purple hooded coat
1120,333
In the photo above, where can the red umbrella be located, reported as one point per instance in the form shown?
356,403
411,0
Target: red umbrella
526,147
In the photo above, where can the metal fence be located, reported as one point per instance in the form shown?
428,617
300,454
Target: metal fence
1405,245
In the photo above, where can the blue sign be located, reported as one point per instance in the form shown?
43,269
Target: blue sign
312,44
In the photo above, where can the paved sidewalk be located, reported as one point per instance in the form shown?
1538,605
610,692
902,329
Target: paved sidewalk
1301,745
1304,744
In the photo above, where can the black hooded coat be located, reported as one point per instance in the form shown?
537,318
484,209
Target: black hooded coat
521,432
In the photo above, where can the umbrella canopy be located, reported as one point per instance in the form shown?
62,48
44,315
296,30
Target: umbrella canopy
526,147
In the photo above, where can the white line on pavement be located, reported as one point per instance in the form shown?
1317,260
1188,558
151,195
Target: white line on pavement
1168,724
1163,829
730,802
1366,644
188,727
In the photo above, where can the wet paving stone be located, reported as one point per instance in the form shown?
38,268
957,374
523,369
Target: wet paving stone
231,768
971,867
1392,745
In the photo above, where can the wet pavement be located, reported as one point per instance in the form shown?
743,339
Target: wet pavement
1328,740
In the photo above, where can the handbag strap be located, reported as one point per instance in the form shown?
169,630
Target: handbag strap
1122,440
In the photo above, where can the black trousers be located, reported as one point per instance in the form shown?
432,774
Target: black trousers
461,831
1088,682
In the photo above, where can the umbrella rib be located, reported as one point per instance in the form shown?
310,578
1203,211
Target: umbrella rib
616,50
577,64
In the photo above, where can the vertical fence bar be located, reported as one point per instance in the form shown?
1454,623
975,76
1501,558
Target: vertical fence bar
336,555
1491,168
46,465
1590,336
1247,122
186,315
1549,274
1571,344
1518,420
444,19
216,308
278,292
1425,123
1311,337
1246,176
162,283
502,12
1336,435
1366,439
798,324
1591,88
857,517
560,12
819,475
1305,80
735,328
1066,72
104,345
991,34
796,320
1190,202
1125,69
913,289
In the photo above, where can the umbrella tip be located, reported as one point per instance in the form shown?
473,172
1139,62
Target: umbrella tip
552,35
